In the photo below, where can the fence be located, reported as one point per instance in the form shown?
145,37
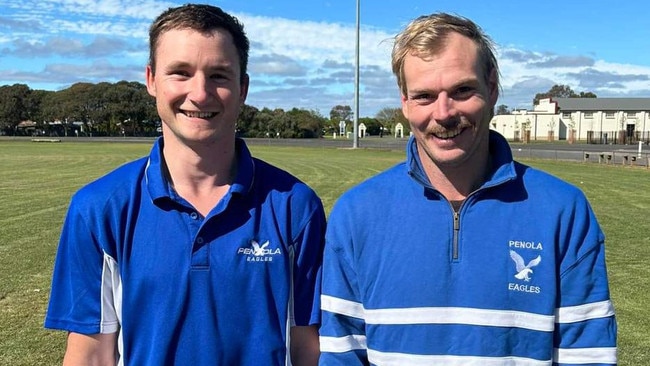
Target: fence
601,157
618,137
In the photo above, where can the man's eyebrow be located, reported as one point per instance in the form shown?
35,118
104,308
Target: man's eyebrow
420,91
467,81
225,67
458,83
177,65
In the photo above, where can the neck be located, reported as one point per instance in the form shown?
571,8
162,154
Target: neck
201,175
456,182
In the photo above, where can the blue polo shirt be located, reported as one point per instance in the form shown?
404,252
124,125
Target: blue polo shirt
182,289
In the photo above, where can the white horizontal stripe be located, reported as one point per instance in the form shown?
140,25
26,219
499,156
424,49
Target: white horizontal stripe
574,314
400,359
440,315
341,306
469,316
342,344
586,355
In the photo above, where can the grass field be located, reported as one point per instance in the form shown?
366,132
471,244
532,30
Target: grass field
37,180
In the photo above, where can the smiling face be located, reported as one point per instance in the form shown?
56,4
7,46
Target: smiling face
449,104
197,87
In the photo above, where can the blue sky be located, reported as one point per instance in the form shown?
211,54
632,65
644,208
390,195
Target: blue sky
302,52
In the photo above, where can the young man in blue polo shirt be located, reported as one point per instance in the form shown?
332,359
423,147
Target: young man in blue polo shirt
198,254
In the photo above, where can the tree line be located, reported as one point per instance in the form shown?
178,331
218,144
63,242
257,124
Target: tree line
102,109
126,109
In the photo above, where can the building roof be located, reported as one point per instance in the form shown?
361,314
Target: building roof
603,104
24,124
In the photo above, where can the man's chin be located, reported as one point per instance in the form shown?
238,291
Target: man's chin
194,137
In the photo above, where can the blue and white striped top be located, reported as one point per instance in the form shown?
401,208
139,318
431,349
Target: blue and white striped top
516,277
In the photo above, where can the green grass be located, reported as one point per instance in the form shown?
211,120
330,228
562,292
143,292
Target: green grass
37,180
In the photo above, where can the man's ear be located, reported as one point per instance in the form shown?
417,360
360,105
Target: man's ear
493,87
405,108
150,79
243,92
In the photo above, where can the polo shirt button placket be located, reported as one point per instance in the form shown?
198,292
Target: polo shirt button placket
200,254
200,251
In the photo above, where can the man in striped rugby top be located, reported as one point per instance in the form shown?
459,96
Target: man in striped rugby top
460,255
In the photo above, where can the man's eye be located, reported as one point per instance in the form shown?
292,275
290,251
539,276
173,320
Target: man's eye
423,98
464,92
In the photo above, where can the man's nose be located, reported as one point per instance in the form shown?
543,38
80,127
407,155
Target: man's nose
443,107
199,89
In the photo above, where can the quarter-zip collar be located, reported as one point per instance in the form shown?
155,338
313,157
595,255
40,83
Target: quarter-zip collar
502,167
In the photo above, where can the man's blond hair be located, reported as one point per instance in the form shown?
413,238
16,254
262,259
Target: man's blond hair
427,35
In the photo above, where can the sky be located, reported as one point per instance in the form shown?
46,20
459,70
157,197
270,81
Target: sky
303,52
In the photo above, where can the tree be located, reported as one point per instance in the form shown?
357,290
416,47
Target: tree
307,124
14,101
502,109
561,91
246,120
341,113
389,117
373,126
34,105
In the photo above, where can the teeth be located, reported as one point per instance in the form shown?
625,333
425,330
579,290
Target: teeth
448,134
200,114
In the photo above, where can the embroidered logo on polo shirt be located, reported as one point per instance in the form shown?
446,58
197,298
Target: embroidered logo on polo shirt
259,252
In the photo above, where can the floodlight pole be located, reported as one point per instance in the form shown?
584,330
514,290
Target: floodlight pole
355,130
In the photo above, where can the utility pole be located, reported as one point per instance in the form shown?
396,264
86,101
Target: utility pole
355,130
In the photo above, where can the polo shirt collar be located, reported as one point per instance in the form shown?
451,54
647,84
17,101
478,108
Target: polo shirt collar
159,187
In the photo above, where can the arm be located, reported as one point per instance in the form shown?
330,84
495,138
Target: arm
586,328
304,346
90,350
343,329
305,312
81,298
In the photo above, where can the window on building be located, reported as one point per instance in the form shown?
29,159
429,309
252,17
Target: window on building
610,115
631,115
589,115
566,114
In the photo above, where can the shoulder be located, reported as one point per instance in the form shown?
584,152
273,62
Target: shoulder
282,189
286,199
374,195
268,177
555,197
537,180
119,184
388,182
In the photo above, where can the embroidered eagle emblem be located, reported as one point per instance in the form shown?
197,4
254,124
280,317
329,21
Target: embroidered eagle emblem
524,270
258,250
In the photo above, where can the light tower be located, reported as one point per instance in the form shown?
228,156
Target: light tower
355,130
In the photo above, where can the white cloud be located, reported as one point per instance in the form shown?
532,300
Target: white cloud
327,52
303,64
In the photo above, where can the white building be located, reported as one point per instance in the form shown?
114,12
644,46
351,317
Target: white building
593,120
